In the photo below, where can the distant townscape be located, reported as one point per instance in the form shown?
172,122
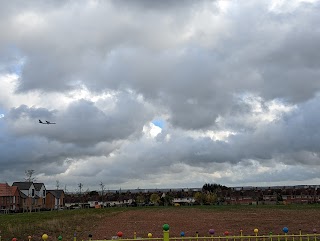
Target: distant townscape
33,197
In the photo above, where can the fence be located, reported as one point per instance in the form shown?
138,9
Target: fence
226,237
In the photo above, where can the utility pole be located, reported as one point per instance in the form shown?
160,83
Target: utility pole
102,192
80,188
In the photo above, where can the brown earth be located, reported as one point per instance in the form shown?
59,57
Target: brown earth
192,220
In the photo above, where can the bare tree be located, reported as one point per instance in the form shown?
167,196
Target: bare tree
30,178
29,175
57,184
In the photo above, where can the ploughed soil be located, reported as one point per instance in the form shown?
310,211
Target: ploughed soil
192,220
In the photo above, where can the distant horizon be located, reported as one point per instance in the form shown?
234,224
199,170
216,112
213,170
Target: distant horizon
195,188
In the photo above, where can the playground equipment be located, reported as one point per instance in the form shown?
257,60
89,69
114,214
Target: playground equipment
211,237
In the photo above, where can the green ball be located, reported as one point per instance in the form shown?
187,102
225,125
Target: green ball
60,237
165,227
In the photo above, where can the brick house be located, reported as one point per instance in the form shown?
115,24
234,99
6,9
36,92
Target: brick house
55,199
27,195
242,197
270,196
300,195
9,198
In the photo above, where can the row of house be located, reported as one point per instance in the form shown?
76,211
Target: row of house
283,195
29,196
229,196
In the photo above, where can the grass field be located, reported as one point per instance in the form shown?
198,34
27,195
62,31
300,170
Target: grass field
105,222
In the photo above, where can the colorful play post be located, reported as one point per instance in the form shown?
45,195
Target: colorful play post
241,234
44,237
285,230
165,228
256,233
300,234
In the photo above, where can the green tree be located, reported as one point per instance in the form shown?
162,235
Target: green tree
199,197
214,187
155,198
211,198
140,199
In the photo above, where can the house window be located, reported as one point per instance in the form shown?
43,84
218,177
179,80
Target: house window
44,193
32,192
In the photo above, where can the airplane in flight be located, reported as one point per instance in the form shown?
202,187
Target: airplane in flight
46,123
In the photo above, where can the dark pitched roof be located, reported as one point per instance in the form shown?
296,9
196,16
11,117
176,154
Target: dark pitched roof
56,193
22,195
38,186
23,185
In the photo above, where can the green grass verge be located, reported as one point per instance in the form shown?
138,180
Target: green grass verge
64,223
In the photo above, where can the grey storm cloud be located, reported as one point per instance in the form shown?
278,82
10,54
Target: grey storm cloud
291,140
192,80
188,63
82,123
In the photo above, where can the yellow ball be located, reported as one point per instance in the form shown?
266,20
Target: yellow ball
255,230
45,237
149,235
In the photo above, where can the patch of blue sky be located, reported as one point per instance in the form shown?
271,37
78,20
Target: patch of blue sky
16,68
2,112
16,60
159,122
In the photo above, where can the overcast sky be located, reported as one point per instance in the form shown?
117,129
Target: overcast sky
160,94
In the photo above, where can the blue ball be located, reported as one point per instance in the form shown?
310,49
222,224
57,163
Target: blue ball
182,234
285,230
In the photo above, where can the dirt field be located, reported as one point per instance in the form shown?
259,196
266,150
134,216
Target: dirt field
192,220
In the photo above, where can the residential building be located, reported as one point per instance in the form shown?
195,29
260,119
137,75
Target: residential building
40,191
27,194
9,198
55,199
